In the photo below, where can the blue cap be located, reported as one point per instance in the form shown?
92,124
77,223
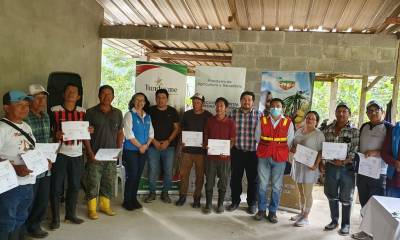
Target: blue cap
14,96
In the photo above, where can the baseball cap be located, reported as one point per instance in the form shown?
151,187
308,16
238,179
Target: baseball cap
343,104
36,89
14,96
374,103
198,96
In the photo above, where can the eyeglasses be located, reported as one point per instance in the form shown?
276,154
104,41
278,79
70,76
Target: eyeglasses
371,111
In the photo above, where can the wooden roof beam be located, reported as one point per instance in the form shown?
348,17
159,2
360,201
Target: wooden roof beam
186,57
193,50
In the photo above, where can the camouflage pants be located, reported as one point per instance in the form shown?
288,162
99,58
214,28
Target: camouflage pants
100,179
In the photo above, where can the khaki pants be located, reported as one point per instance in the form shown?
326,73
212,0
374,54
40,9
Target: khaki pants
187,162
306,199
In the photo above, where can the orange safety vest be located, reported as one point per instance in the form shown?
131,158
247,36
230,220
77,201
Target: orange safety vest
273,141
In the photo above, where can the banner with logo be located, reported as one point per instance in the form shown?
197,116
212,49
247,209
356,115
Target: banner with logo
214,82
151,76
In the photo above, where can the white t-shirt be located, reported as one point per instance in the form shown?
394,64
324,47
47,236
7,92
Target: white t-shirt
13,144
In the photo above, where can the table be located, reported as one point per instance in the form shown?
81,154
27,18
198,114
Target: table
378,220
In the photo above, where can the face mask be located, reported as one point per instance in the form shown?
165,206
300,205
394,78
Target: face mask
276,111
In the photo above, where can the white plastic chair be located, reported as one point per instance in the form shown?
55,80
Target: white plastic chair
120,175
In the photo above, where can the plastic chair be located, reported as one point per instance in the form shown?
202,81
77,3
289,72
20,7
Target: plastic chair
120,175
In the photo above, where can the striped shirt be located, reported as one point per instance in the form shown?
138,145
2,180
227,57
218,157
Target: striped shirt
246,124
60,114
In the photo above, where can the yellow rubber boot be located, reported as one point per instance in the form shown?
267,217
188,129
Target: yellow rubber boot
105,206
92,206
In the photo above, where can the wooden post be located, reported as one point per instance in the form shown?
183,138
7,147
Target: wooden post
362,100
395,94
333,99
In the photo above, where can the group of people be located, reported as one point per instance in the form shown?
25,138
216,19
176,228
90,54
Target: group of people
261,145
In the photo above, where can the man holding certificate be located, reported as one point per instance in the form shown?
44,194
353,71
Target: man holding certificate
108,134
16,138
339,173
372,136
219,137
193,124
69,161
244,156
39,121
275,135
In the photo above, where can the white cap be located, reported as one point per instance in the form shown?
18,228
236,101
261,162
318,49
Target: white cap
36,89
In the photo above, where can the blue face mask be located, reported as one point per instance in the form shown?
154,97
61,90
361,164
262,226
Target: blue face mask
275,112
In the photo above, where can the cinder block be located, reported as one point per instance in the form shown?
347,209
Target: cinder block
196,35
384,40
257,50
364,67
335,52
268,63
227,36
388,54
297,37
239,49
252,84
309,51
294,64
253,76
379,68
248,36
320,65
243,61
152,33
354,40
174,34
274,37
286,50
347,66
363,53
324,38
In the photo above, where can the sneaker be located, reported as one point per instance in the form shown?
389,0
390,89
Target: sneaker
38,233
165,197
232,207
331,226
272,218
260,215
150,198
301,222
296,217
361,236
344,230
252,209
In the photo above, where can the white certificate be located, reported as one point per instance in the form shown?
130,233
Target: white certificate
75,130
8,177
370,166
107,154
305,155
331,151
192,139
219,147
35,161
49,150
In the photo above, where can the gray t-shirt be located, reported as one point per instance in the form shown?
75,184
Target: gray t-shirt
106,127
372,138
300,172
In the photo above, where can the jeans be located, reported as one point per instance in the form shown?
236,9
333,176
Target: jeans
269,170
244,161
339,186
156,158
41,194
393,192
14,208
367,187
133,162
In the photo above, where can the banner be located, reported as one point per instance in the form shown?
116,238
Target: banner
153,76
214,82
149,78
294,88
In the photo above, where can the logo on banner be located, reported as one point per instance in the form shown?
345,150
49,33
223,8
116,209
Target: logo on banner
159,84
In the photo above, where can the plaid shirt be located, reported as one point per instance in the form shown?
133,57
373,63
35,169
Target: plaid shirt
40,129
246,124
348,134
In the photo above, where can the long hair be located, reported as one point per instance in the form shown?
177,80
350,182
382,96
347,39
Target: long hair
132,102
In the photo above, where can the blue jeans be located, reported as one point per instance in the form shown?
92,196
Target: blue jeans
156,158
393,192
133,162
268,170
14,208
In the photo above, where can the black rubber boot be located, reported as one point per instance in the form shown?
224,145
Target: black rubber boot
207,207
220,205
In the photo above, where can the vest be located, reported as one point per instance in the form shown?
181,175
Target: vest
273,142
140,128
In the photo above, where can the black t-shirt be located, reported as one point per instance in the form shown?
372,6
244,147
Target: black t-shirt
163,123
194,122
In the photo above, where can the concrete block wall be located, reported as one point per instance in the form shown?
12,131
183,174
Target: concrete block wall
39,37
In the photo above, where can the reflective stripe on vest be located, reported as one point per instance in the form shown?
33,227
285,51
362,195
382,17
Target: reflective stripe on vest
270,139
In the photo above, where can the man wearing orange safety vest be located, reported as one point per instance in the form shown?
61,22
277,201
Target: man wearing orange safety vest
275,134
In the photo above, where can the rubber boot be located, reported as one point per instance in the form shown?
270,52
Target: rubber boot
207,207
92,207
345,226
55,214
105,207
220,205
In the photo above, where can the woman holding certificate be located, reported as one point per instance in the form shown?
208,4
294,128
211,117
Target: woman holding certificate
305,165
139,133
